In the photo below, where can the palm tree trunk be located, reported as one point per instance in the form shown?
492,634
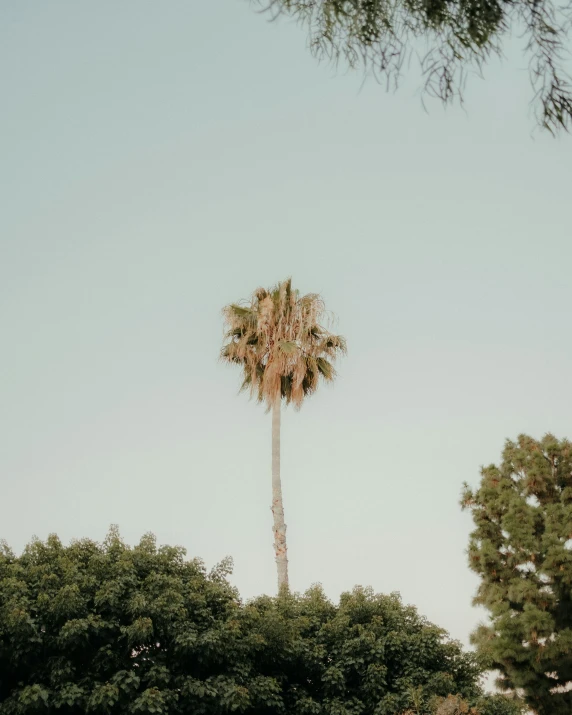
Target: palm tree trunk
277,505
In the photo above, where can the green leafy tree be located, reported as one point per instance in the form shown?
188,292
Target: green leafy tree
276,337
109,629
460,36
521,548
369,655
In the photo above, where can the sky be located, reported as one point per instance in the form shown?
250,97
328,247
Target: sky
160,160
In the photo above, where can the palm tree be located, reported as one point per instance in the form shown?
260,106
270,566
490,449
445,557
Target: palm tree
277,339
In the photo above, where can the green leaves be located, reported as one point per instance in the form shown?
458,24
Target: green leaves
77,632
34,698
70,695
325,368
152,701
126,680
104,697
139,632
519,548
158,634
97,628
288,347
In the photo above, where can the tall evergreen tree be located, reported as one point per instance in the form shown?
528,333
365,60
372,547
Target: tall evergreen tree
277,339
521,548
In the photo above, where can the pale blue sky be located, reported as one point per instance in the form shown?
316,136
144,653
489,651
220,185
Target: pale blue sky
159,160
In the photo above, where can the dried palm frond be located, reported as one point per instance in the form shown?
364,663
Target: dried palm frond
278,339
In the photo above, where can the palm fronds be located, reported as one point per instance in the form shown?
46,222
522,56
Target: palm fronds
278,339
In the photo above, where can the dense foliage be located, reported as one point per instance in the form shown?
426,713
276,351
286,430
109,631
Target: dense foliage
522,550
449,37
92,628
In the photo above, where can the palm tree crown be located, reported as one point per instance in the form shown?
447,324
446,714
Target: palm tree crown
277,338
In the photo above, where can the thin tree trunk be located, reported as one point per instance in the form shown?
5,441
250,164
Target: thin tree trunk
277,505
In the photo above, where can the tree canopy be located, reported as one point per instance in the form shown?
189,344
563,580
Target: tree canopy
105,628
449,38
521,548
277,338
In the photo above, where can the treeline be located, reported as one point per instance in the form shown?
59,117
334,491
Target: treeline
105,628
